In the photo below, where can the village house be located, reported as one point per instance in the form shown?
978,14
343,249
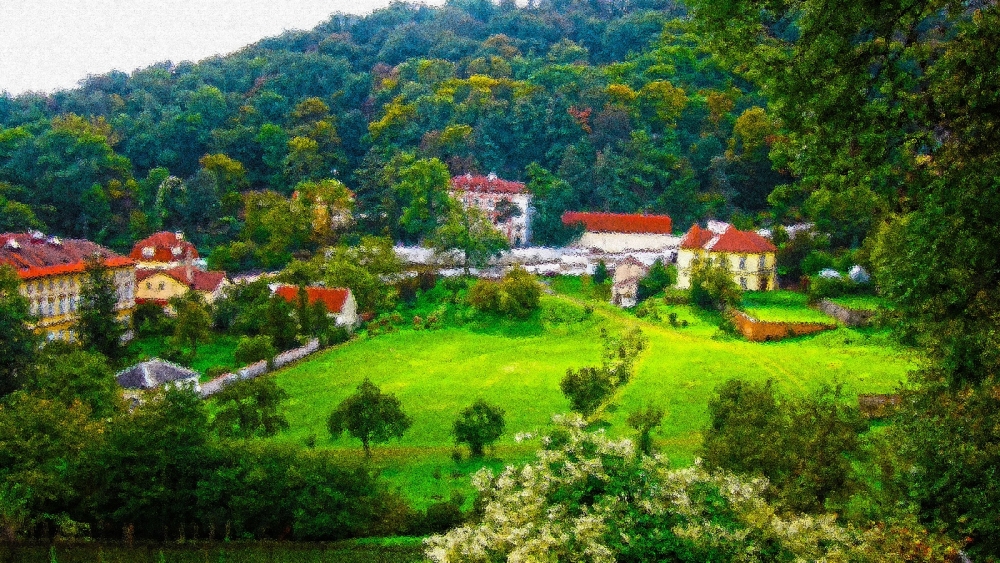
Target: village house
625,282
614,233
339,302
160,286
747,255
52,273
162,251
506,203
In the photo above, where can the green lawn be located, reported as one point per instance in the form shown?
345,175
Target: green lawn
518,365
782,306
216,352
861,302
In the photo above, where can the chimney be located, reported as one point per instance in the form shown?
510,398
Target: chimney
179,235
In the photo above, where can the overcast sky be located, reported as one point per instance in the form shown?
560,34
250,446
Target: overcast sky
51,44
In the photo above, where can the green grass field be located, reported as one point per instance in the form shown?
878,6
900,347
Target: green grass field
216,352
518,365
782,306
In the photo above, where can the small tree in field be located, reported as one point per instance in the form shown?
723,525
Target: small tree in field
586,388
370,416
479,425
644,421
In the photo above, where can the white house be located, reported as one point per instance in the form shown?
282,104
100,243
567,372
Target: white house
615,233
506,203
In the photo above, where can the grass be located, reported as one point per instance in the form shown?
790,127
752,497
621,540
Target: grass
782,306
216,352
861,302
518,365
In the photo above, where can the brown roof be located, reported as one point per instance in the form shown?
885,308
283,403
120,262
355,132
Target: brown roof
165,247
620,223
729,240
489,184
333,298
34,255
199,280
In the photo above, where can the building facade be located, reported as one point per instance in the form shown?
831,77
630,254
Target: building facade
749,257
506,203
52,272
615,233
159,286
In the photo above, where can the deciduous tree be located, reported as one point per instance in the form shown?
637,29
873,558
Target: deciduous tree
479,425
370,416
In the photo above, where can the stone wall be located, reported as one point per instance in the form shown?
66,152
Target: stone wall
258,369
764,331
850,317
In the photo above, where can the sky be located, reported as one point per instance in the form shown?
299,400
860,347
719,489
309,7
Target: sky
46,45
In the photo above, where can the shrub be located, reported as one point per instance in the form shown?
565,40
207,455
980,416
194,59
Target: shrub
823,288
712,286
516,295
407,288
252,349
426,280
659,278
586,388
601,273
478,426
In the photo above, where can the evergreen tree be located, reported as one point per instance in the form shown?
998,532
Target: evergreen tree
19,343
98,326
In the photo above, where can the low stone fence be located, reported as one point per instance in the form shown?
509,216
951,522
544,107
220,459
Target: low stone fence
878,405
850,317
258,368
765,331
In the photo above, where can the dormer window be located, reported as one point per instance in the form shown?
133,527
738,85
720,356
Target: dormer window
176,251
148,251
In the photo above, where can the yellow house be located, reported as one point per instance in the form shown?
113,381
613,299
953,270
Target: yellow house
52,272
748,256
159,286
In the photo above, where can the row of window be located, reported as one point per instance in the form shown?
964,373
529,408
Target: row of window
63,284
52,306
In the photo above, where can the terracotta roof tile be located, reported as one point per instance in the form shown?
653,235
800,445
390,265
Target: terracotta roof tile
620,223
34,255
333,298
489,184
730,240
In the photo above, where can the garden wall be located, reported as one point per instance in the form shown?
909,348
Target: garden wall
850,317
259,368
762,331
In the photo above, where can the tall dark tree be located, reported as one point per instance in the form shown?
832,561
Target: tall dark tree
98,325
19,344
250,407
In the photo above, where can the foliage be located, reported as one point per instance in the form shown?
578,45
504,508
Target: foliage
97,325
479,425
370,416
19,343
802,446
600,273
252,349
644,421
516,295
242,308
367,268
249,408
712,286
193,322
73,376
659,278
589,387
280,325
470,231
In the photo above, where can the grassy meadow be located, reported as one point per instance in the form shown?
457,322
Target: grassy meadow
216,352
518,365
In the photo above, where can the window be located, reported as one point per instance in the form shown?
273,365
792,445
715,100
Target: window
149,285
163,286
743,284
62,305
743,262
760,264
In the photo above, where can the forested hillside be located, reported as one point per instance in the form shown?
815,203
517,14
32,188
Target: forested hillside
618,105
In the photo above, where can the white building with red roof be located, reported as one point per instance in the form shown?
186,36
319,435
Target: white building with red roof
506,203
163,250
747,255
339,301
615,233
52,273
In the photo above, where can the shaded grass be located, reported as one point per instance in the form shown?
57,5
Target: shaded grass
518,365
861,302
782,306
216,352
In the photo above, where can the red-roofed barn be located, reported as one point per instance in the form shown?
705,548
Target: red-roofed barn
748,256
617,232
339,302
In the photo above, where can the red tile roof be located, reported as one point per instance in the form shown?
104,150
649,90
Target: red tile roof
730,240
333,298
199,280
166,247
620,223
33,255
489,184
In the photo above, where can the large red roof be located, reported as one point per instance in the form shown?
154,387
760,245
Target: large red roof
333,298
199,280
620,223
164,247
488,184
729,240
33,255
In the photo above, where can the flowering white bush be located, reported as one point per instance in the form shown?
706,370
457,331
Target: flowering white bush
588,498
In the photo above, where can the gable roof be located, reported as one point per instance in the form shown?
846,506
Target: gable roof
34,255
199,280
332,298
163,247
152,374
730,239
620,223
488,184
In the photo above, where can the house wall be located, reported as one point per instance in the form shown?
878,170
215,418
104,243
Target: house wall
622,242
516,229
749,272
348,316
54,301
161,287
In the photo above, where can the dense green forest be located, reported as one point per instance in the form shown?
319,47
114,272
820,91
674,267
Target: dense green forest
619,105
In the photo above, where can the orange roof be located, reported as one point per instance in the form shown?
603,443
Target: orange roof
33,255
729,240
333,298
489,184
163,247
199,280
620,223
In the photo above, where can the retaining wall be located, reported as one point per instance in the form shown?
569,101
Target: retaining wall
258,369
763,331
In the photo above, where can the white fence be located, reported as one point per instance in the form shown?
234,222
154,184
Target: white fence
259,368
